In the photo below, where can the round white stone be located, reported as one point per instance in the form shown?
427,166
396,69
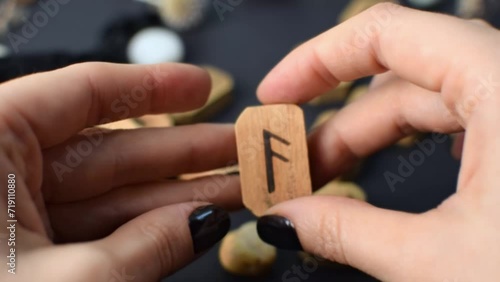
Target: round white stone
154,45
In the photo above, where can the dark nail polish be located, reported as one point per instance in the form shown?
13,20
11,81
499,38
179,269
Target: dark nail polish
208,225
279,232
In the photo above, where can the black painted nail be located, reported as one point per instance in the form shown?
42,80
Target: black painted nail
279,232
208,225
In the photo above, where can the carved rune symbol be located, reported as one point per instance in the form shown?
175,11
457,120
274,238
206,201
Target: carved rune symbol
269,154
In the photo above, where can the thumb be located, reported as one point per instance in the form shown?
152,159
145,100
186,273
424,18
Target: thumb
158,243
340,229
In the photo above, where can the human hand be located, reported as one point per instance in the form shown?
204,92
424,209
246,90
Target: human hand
438,73
106,192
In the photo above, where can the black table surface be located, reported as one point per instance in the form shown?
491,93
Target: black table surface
248,43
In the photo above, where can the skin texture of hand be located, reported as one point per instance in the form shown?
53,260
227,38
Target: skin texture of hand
435,73
108,194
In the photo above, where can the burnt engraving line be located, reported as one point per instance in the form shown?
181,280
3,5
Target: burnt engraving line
269,154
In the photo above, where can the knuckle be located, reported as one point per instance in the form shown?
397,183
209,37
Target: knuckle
192,152
161,243
463,103
331,234
401,121
383,79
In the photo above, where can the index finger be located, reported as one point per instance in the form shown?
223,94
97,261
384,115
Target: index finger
430,50
55,105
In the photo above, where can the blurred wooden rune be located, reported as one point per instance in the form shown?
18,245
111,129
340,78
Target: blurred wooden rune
341,188
220,97
357,93
272,154
243,253
469,9
357,6
229,170
338,94
121,124
160,120
323,117
408,141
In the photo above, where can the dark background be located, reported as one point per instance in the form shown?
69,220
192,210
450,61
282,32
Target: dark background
248,43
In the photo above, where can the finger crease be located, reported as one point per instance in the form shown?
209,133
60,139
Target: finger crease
322,71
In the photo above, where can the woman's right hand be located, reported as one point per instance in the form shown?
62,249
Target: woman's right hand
436,73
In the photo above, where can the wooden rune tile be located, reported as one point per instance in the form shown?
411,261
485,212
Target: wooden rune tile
272,156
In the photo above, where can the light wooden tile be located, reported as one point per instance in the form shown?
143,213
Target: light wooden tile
272,154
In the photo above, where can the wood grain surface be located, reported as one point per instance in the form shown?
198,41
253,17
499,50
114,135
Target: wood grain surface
272,155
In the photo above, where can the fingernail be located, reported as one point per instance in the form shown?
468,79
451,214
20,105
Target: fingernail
279,232
208,225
